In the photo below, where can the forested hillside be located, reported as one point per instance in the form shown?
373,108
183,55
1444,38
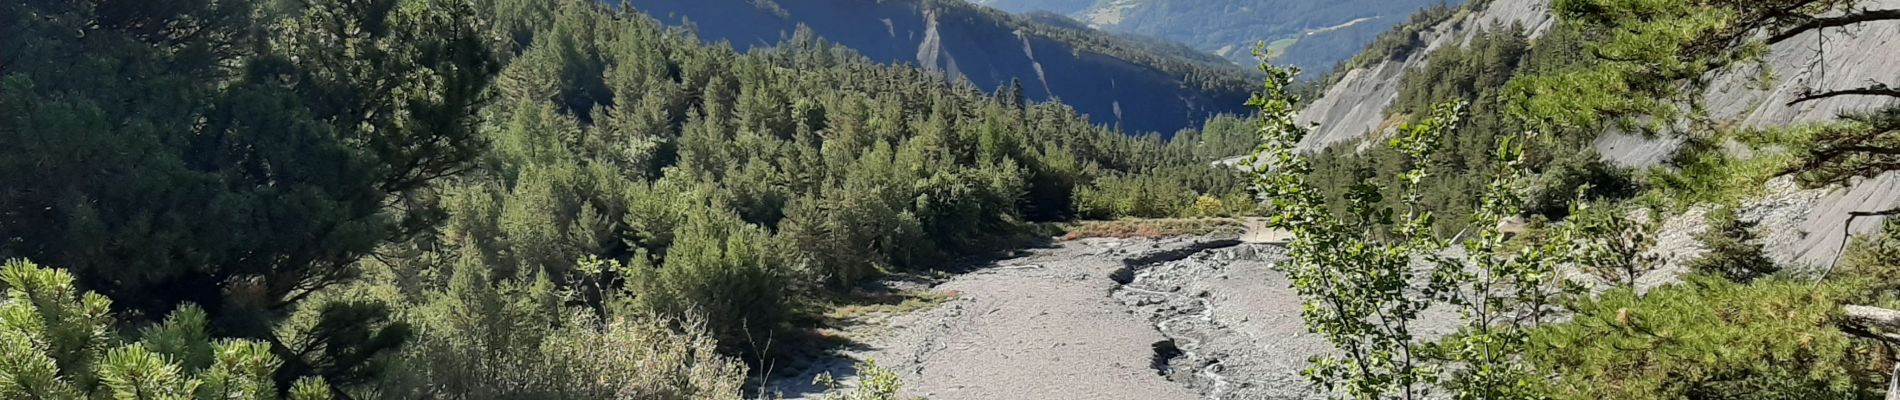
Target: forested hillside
1312,35
418,199
1140,86
1663,173
488,199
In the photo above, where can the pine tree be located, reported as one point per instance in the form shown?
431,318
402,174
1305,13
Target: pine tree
56,342
1732,249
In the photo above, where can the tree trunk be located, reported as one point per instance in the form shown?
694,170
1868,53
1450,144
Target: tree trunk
1861,320
1893,383
1872,317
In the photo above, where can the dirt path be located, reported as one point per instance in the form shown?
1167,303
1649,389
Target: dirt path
1036,327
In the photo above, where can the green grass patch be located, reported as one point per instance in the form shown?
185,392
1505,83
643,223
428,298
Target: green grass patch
1278,47
863,306
1148,228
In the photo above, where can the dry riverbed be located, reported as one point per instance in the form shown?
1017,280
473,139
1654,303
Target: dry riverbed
1099,318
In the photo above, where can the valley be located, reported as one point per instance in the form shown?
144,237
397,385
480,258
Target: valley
1139,86
908,199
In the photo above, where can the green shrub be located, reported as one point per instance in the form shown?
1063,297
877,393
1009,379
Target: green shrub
1619,245
515,339
1708,338
1733,249
1561,180
720,268
58,343
874,383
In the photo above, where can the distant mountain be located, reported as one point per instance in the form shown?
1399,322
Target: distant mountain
1311,34
1141,85
1024,6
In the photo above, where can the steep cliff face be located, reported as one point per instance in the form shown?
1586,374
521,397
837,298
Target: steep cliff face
1811,231
1356,104
1807,226
1141,87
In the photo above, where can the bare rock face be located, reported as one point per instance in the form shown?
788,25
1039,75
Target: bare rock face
1635,151
1356,105
1807,228
1803,227
1833,59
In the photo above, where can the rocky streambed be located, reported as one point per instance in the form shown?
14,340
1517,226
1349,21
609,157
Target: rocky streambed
1230,335
1170,318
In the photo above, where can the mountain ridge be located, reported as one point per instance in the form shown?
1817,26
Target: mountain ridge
1137,85
1309,35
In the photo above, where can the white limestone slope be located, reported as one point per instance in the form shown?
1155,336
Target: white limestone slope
1356,105
1804,226
1808,227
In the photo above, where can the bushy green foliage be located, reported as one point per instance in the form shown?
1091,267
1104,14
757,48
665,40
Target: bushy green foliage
1368,274
58,342
1357,290
480,335
1733,249
874,383
1158,195
1837,152
1583,173
720,268
242,155
523,179
1604,64
1703,172
516,339
1647,56
1460,169
1707,338
1868,263
1481,72
1618,243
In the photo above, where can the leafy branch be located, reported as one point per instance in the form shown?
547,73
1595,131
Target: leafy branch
1369,276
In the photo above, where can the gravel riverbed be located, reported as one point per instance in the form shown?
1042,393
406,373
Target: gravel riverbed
1170,318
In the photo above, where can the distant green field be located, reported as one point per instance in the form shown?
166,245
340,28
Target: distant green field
1278,47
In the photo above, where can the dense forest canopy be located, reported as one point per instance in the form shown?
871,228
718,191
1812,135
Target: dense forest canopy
455,198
